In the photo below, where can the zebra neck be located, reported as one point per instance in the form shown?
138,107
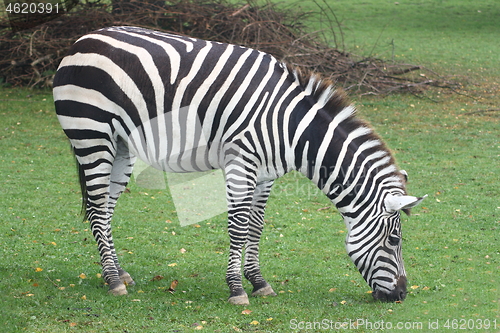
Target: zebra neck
345,159
321,143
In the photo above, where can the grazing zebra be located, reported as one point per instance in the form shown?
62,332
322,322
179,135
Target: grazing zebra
184,105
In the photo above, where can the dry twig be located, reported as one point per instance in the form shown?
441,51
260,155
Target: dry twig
31,57
481,111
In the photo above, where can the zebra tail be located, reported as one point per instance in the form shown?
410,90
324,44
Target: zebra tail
83,188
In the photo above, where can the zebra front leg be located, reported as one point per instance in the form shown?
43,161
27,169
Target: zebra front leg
237,295
252,267
240,186
238,230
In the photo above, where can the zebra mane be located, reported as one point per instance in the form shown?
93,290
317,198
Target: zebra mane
335,100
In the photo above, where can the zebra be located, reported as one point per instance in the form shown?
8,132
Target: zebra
186,105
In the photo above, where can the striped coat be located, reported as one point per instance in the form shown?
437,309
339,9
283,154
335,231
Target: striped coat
185,105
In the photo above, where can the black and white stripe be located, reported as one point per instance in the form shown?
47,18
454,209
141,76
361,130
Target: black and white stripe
184,105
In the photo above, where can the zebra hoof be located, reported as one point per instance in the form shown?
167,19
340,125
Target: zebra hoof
119,290
239,300
127,279
264,291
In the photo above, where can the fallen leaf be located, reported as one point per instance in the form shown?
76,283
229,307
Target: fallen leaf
157,278
172,264
84,297
183,250
254,322
72,324
82,276
414,287
38,269
343,302
173,285
246,312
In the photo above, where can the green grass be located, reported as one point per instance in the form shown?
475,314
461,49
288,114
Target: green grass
455,36
450,242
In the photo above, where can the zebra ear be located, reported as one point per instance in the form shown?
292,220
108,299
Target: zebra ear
401,202
405,174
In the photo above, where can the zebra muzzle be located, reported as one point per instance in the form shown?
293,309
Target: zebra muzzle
397,294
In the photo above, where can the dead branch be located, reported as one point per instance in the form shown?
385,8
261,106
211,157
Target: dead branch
481,111
30,57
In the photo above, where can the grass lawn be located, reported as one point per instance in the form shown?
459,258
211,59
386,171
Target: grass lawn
456,36
49,273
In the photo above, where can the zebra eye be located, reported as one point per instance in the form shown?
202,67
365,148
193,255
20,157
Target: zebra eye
393,240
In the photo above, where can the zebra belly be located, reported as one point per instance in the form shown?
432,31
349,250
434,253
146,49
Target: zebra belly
174,153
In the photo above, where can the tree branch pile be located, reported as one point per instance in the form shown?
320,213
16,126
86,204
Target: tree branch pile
30,57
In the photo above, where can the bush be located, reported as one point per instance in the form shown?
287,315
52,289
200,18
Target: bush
30,57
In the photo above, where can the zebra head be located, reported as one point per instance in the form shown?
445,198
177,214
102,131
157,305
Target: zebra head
374,245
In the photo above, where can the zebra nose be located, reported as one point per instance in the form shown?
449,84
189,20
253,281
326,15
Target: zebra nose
397,294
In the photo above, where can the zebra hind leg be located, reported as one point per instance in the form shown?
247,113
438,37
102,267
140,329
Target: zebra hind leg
119,178
252,268
96,186
101,186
